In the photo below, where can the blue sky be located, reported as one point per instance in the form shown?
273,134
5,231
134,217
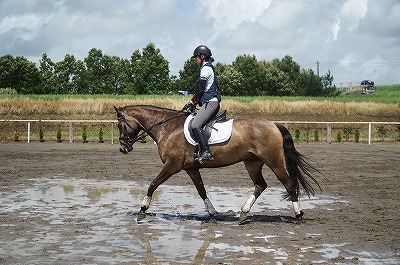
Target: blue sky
354,39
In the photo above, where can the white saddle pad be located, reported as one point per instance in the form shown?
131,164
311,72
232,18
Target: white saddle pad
222,133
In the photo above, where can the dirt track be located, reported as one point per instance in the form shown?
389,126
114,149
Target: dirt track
359,223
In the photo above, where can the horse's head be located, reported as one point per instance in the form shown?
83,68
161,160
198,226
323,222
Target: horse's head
128,131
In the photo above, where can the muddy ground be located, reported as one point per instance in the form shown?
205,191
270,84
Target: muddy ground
354,220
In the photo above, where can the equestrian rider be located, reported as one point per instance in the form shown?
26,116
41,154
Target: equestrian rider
207,95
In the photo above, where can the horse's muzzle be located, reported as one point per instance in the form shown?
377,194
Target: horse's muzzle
125,149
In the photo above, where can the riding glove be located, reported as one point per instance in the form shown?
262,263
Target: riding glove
189,106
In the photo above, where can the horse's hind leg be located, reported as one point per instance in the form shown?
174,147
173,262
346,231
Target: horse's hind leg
289,184
198,182
254,168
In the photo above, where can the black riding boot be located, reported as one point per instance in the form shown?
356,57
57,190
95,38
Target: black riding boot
205,153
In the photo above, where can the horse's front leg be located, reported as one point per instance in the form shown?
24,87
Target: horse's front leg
168,170
198,182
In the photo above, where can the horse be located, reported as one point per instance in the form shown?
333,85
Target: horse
255,141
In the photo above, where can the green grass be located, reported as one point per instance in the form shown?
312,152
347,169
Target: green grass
389,94
383,94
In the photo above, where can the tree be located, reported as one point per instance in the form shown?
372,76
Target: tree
252,73
277,82
65,72
309,83
18,73
115,74
188,76
6,76
47,76
95,72
230,81
132,73
327,81
79,80
288,72
149,72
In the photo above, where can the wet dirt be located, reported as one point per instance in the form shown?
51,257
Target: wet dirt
63,203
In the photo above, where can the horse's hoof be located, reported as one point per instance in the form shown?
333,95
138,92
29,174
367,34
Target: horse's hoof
299,217
211,220
242,218
141,216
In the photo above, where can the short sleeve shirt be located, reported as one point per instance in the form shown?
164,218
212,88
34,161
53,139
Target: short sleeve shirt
207,73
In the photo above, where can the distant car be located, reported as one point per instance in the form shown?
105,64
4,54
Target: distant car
368,87
367,83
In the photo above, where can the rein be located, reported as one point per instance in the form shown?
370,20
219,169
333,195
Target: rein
131,141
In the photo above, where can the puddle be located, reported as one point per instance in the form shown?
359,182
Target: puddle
82,221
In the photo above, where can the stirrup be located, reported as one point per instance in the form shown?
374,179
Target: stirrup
206,155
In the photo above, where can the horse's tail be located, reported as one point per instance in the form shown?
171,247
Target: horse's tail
296,165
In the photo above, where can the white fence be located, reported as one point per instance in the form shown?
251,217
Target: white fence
285,123
71,127
329,126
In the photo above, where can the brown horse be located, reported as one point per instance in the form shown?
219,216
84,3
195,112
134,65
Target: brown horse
254,141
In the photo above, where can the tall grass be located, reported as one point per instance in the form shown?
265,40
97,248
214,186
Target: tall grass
383,104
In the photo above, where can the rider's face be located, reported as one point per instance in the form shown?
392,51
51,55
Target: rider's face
198,60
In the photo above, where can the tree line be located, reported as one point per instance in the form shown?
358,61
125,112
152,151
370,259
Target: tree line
147,72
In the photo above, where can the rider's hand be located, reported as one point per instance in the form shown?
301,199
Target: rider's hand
189,105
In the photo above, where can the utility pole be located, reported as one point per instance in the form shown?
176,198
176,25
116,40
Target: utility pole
317,68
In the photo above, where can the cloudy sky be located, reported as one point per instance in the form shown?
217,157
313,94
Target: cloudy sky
354,39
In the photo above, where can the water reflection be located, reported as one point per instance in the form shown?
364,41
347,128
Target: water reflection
82,219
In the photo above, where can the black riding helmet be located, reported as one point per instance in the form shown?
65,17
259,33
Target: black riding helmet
202,49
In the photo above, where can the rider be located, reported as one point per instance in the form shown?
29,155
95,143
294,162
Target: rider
207,95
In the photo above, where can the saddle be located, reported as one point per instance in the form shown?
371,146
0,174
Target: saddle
217,130
209,126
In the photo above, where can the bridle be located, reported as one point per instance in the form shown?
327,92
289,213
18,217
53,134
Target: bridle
127,140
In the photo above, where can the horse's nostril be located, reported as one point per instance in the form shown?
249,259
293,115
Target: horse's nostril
123,150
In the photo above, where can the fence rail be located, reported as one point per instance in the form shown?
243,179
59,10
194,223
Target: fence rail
328,125
70,122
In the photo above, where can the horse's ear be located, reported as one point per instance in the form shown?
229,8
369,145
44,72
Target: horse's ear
118,111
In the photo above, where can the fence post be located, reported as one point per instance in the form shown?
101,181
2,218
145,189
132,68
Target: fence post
369,133
71,133
29,132
328,133
112,132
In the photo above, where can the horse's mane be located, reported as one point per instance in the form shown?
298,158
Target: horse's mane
152,107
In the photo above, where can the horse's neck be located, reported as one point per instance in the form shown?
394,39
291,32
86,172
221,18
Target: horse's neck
154,121
147,117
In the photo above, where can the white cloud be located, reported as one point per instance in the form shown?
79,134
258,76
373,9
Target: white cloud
335,29
25,27
353,11
354,39
228,14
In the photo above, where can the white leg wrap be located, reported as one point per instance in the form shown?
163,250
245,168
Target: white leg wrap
249,203
210,208
297,208
146,202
